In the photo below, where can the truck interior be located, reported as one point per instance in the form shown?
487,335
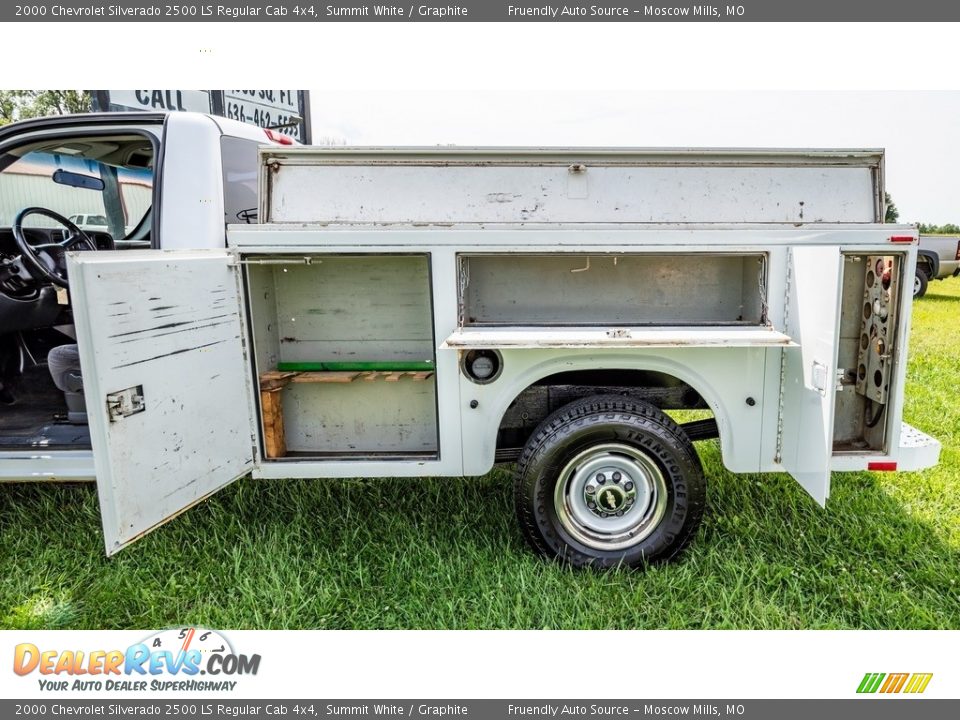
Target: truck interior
63,193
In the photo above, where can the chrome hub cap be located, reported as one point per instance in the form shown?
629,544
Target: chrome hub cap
610,496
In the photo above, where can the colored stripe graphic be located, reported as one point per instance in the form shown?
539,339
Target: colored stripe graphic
918,682
870,682
894,683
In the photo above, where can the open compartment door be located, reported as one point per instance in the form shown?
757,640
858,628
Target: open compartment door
809,378
166,383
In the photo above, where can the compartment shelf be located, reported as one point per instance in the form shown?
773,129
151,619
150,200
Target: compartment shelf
345,356
273,382
279,379
630,337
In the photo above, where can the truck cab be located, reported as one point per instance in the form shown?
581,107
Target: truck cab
95,183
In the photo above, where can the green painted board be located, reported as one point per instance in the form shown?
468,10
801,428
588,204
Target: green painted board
398,366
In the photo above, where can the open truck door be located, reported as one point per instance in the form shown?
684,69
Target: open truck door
809,378
161,337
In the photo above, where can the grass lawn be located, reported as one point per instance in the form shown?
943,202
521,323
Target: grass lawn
447,553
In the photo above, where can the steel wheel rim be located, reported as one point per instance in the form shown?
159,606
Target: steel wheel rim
916,284
612,522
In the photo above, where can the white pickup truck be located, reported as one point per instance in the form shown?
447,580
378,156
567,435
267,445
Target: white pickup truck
429,312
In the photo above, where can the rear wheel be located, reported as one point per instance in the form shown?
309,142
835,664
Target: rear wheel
920,283
609,481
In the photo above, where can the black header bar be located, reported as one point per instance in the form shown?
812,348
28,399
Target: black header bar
481,11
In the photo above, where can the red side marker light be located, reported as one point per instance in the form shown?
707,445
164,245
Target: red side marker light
882,466
276,137
901,238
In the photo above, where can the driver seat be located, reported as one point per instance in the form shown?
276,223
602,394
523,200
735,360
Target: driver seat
63,362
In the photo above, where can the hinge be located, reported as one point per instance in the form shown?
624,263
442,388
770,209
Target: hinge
291,260
463,282
778,457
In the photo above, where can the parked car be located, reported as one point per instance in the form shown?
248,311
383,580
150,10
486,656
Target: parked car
938,257
85,221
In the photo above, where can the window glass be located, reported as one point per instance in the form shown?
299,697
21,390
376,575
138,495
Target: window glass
122,203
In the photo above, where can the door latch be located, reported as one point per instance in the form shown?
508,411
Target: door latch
818,377
125,403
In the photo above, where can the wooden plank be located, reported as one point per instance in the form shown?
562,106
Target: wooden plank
276,375
275,379
271,405
325,377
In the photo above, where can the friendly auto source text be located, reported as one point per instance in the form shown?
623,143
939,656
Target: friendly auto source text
553,11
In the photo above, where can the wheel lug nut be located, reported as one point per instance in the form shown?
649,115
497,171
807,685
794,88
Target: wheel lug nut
616,477
619,513
603,515
591,489
601,478
628,486
592,505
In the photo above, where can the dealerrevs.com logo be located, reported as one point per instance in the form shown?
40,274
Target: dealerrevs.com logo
180,659
892,683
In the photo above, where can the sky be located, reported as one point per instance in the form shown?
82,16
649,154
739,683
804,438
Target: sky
919,130
771,84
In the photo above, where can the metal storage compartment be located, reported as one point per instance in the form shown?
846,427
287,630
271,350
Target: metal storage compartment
577,289
344,355
360,185
867,350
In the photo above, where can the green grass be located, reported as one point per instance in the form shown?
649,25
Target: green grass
447,553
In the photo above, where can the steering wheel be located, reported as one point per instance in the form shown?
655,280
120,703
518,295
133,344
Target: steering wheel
48,260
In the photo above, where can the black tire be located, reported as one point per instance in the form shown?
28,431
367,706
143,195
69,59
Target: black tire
552,495
920,283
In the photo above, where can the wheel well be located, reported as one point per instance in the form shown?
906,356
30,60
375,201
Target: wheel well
929,263
552,392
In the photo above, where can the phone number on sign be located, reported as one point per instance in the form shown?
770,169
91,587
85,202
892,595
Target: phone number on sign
281,122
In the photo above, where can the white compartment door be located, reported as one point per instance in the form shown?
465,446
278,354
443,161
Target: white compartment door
165,379
810,369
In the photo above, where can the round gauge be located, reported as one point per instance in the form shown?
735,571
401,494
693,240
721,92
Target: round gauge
483,367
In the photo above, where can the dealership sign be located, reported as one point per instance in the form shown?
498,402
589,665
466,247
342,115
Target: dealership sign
286,111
